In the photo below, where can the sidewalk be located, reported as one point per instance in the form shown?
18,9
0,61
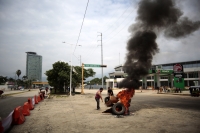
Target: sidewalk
12,92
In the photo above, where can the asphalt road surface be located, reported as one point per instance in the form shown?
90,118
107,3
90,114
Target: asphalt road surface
149,100
11,102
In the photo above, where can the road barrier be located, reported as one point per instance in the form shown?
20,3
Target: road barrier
31,107
36,100
26,110
17,116
1,127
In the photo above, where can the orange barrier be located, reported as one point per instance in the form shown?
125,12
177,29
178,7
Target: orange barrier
18,117
1,127
31,107
26,110
36,100
41,96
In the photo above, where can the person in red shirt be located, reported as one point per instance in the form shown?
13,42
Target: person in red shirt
98,96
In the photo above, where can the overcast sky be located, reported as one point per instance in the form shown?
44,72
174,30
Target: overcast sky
42,26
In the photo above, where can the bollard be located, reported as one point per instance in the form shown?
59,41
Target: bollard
26,110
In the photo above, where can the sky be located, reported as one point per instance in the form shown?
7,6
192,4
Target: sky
42,26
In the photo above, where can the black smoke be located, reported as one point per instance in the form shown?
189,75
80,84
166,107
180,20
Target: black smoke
153,15
182,28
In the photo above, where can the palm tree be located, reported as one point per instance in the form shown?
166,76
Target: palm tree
24,77
18,72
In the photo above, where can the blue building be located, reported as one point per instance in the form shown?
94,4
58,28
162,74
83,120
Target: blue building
34,66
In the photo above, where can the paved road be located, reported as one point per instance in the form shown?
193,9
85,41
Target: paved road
12,101
185,102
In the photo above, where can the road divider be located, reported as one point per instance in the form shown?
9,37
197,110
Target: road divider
26,110
17,116
31,107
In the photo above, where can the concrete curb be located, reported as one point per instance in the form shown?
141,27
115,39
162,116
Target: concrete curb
15,93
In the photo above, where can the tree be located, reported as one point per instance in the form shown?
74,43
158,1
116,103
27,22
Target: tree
3,80
98,80
60,75
95,81
24,78
18,72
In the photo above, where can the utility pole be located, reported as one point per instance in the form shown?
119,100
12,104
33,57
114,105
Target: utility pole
82,87
101,57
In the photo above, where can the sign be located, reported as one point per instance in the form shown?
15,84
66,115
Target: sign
94,65
178,70
164,71
158,67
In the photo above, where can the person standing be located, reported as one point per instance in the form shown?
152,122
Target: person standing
97,97
110,92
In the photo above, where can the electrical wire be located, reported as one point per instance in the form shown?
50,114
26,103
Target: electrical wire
122,22
81,27
116,19
116,33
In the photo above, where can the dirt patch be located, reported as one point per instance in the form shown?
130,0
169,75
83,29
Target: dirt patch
78,114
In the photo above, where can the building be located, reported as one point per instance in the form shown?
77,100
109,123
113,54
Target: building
34,66
161,75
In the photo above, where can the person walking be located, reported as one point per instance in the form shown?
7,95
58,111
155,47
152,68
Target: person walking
98,96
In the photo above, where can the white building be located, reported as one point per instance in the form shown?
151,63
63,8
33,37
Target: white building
33,66
160,77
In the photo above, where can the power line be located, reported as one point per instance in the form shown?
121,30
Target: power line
116,33
117,19
81,26
121,22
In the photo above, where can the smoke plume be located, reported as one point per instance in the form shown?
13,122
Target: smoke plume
141,47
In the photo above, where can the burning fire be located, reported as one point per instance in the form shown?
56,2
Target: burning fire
125,97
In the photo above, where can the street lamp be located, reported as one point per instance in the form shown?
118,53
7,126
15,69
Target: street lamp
70,89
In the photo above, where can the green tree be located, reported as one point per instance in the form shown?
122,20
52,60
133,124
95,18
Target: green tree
98,80
60,75
18,72
24,78
3,80
95,81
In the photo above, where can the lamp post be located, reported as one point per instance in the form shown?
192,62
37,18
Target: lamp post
70,89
